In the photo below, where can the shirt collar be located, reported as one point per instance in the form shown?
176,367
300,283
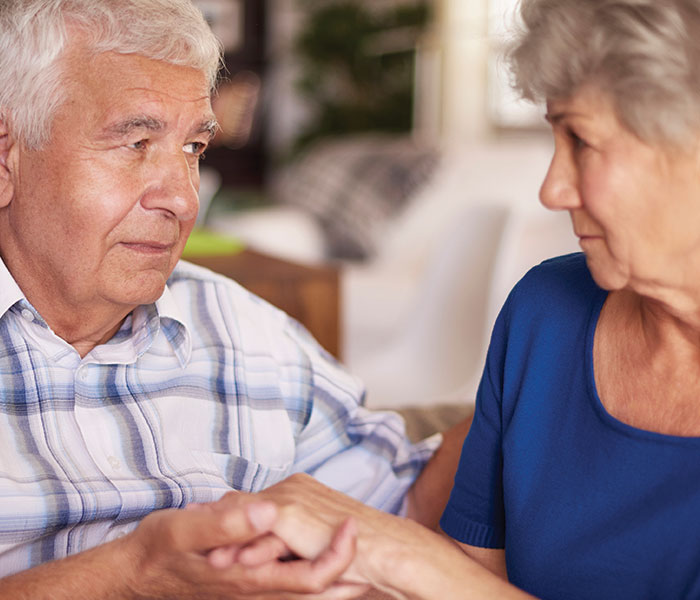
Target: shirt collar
176,327
165,314
10,293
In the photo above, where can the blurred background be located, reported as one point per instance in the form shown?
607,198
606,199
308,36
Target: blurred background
380,138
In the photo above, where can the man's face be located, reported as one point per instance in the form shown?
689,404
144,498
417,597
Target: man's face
100,214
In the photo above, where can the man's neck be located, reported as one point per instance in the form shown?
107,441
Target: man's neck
83,327
84,344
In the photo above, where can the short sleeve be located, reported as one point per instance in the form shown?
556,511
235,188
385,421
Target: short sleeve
475,511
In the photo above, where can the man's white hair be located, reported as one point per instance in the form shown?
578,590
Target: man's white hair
35,33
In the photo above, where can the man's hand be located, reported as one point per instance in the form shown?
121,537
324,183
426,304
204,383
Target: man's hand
177,549
311,515
167,556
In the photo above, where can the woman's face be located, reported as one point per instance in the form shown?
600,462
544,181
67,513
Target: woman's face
635,207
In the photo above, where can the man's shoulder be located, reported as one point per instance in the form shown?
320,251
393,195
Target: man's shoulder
188,278
188,272
197,286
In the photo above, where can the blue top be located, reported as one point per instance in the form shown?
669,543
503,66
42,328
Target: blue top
585,505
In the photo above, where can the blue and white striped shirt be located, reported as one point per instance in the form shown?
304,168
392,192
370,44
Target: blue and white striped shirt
207,390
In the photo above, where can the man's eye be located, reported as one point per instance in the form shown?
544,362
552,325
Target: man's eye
140,145
196,148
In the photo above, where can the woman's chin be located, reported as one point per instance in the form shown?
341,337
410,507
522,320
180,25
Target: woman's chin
606,274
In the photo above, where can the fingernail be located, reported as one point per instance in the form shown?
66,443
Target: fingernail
262,515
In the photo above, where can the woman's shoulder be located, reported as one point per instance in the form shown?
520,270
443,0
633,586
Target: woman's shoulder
557,284
565,275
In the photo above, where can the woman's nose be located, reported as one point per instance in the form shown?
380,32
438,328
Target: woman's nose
559,190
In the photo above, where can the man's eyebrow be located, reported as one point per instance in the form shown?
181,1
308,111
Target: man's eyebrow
126,126
210,126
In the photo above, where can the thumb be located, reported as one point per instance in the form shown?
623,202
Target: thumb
202,530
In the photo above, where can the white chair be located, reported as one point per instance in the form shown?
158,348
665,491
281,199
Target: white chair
531,235
438,345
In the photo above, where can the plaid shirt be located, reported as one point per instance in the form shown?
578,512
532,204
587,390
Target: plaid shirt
207,390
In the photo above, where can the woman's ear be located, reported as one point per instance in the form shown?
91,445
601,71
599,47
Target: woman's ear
7,144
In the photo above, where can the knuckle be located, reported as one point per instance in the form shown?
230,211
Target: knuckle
301,478
316,585
291,512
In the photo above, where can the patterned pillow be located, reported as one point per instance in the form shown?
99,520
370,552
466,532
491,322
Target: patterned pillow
354,186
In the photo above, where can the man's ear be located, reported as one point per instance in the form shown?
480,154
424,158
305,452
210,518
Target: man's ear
7,149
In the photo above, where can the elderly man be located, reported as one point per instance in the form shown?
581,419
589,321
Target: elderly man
131,385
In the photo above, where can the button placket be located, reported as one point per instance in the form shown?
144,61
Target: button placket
82,373
114,462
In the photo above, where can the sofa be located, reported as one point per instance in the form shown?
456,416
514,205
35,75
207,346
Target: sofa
443,234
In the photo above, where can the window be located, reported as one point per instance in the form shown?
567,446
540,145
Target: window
505,107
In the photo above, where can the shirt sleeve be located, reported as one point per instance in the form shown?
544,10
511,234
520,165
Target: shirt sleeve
365,454
474,514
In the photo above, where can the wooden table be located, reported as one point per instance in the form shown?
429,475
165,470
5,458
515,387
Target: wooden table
308,293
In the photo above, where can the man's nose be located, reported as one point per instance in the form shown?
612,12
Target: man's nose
174,186
559,190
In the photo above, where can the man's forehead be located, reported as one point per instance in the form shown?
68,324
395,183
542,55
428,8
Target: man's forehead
117,75
114,94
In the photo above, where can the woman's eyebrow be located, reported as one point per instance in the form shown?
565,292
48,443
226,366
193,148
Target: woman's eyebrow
554,118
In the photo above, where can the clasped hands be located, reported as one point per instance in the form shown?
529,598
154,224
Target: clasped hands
296,539
306,540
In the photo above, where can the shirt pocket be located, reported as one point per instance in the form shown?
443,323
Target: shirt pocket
238,473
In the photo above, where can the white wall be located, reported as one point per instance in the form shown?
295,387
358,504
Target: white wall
476,95
461,29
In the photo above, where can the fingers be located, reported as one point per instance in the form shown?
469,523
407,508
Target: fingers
337,591
202,528
223,557
342,591
339,555
263,550
315,576
256,553
318,576
219,533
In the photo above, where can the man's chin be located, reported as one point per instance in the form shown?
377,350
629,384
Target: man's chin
144,288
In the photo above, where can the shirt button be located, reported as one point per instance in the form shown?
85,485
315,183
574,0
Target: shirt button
114,462
27,315
115,533
82,373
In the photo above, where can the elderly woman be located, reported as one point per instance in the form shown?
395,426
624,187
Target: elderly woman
580,476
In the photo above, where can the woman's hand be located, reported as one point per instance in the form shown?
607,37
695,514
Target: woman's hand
311,515
393,554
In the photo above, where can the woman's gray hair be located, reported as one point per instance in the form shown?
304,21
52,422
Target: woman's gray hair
35,33
645,54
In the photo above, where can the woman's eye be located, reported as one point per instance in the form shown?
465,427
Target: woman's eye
578,142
